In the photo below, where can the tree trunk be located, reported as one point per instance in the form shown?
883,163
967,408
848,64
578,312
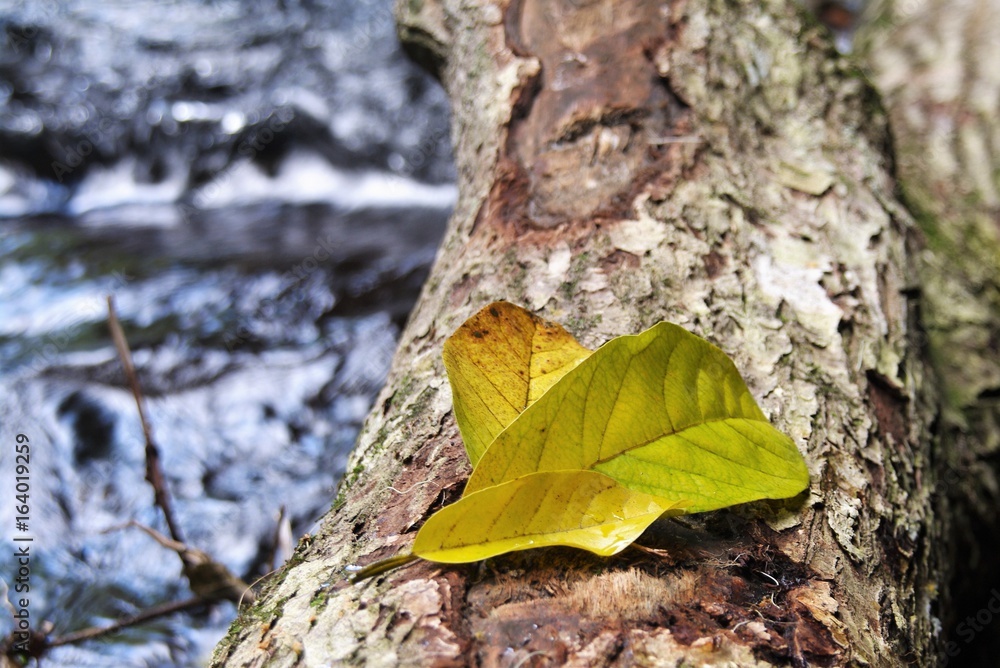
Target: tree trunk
935,62
623,162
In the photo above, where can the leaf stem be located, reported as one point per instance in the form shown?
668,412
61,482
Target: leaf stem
382,566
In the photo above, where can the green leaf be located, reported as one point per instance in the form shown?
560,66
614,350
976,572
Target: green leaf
500,361
582,509
663,412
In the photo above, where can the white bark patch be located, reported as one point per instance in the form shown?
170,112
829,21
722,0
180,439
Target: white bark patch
638,236
843,518
759,631
803,179
551,270
346,631
595,282
799,410
512,76
845,505
793,275
416,601
346,626
815,596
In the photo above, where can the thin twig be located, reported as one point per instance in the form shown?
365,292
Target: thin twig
662,554
276,541
771,578
207,577
146,615
154,472
152,533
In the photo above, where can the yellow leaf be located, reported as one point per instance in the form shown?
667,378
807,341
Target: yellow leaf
582,509
663,412
500,361
587,449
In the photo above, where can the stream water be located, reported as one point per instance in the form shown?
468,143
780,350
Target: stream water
261,187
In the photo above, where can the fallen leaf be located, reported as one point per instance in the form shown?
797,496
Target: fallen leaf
499,362
587,449
663,412
582,509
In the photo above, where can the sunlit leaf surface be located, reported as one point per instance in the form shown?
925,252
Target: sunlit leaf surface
663,412
587,449
582,509
500,361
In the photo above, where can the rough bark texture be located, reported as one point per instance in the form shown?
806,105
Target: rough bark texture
623,162
935,62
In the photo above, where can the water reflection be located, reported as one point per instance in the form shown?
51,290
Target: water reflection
262,189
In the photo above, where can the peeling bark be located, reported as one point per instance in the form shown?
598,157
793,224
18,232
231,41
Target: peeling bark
712,164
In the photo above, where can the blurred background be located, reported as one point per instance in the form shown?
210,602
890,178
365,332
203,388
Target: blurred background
262,188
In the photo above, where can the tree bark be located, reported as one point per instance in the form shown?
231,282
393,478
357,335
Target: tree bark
623,162
935,63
